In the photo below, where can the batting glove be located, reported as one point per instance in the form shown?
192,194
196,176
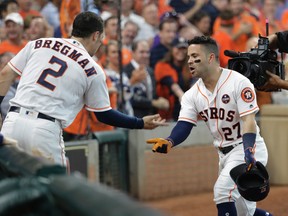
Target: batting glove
160,145
249,158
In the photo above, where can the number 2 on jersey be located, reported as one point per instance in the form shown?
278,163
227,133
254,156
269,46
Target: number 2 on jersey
42,79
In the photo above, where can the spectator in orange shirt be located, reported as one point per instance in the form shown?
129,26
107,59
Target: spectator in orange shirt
284,19
169,78
26,10
245,25
129,32
14,33
161,5
223,36
69,9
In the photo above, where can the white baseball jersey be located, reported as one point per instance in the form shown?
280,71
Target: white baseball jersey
233,97
58,77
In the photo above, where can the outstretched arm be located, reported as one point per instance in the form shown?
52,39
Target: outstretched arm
179,133
118,119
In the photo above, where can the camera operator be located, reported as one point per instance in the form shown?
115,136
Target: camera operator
278,40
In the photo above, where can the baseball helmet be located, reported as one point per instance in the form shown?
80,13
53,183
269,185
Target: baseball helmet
252,185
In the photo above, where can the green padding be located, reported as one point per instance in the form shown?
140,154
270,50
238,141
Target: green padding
110,136
77,197
14,162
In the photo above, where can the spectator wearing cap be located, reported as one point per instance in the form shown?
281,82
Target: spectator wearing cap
167,33
223,35
169,76
14,34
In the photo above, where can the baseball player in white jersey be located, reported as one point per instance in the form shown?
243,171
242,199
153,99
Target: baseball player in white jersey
58,78
226,101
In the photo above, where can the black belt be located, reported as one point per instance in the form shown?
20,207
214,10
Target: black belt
226,150
40,115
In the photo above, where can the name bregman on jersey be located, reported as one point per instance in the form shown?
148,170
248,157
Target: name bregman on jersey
66,51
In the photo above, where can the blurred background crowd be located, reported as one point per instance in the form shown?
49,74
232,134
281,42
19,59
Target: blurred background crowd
152,36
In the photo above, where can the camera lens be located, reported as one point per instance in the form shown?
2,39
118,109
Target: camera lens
241,67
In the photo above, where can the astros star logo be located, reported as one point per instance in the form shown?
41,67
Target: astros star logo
247,95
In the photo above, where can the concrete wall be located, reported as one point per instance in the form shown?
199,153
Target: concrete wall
189,168
274,129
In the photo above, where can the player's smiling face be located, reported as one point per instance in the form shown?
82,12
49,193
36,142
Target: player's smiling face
197,60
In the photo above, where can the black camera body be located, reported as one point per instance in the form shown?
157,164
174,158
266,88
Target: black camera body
253,64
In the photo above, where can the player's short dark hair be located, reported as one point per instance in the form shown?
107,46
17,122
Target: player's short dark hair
209,43
87,23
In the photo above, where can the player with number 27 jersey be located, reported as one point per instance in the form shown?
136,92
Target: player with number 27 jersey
233,97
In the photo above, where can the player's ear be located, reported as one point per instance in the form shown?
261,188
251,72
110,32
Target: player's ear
211,57
96,35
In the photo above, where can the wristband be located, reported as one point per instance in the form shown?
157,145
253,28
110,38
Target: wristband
171,141
249,140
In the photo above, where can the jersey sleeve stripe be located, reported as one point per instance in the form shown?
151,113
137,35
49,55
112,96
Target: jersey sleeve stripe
14,68
249,111
98,109
230,192
187,119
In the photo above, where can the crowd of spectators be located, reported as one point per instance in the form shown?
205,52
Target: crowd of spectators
153,74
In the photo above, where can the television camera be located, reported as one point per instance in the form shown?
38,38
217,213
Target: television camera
253,64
